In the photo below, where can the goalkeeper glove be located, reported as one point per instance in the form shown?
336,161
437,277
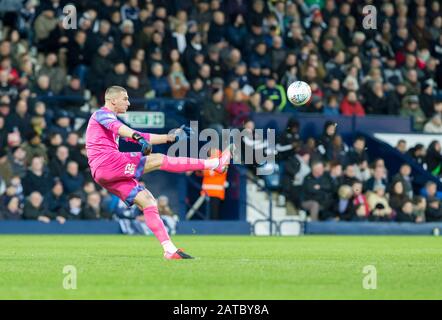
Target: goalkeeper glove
146,147
183,133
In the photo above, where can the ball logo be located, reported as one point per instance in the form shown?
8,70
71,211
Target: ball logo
299,92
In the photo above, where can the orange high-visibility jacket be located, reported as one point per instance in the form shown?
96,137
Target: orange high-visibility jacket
214,184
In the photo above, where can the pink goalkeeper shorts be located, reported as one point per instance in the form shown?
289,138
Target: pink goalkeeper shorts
120,174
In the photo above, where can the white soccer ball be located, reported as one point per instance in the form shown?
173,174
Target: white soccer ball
299,93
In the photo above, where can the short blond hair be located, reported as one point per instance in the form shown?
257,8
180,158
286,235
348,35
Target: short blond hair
112,91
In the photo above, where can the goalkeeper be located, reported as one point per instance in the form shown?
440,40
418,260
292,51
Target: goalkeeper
119,172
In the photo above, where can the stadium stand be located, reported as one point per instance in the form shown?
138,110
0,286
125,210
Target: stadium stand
227,64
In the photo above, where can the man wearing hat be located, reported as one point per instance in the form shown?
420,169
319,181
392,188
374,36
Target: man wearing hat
411,108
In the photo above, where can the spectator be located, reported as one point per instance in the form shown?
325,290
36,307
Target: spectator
159,82
135,91
351,106
56,201
325,141
349,176
410,108
17,159
54,141
217,29
317,192
238,110
406,213
418,153
37,177
74,210
5,166
197,94
362,171
375,100
397,195
401,146
336,177
378,205
430,191
433,158
34,209
56,74
427,99
75,93
72,179
237,32
79,55
214,61
178,82
13,211
359,201
58,165
296,168
93,209
337,150
213,113
100,68
20,119
434,125
3,134
407,181
419,208
433,212
77,151
358,153
34,148
289,142
124,49
136,69
118,77
378,179
344,204
43,25
331,107
62,124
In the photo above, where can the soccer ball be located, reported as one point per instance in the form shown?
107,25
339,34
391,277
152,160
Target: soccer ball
299,92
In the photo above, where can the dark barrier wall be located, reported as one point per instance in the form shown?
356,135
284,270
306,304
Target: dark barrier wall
371,228
221,228
70,227
112,227
313,124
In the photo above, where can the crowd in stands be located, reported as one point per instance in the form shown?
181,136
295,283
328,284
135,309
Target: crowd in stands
229,57
332,181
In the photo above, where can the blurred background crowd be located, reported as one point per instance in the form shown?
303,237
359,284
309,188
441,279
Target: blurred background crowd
230,57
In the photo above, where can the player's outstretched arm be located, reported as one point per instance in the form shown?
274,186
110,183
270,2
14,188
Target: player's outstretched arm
161,138
137,137
178,134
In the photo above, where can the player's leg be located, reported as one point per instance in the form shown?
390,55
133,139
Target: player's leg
158,161
147,203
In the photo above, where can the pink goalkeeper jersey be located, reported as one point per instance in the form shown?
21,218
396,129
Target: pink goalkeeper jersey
102,137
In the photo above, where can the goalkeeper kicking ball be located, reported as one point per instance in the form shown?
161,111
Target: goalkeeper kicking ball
299,93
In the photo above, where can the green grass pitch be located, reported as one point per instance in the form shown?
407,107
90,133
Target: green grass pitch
227,267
